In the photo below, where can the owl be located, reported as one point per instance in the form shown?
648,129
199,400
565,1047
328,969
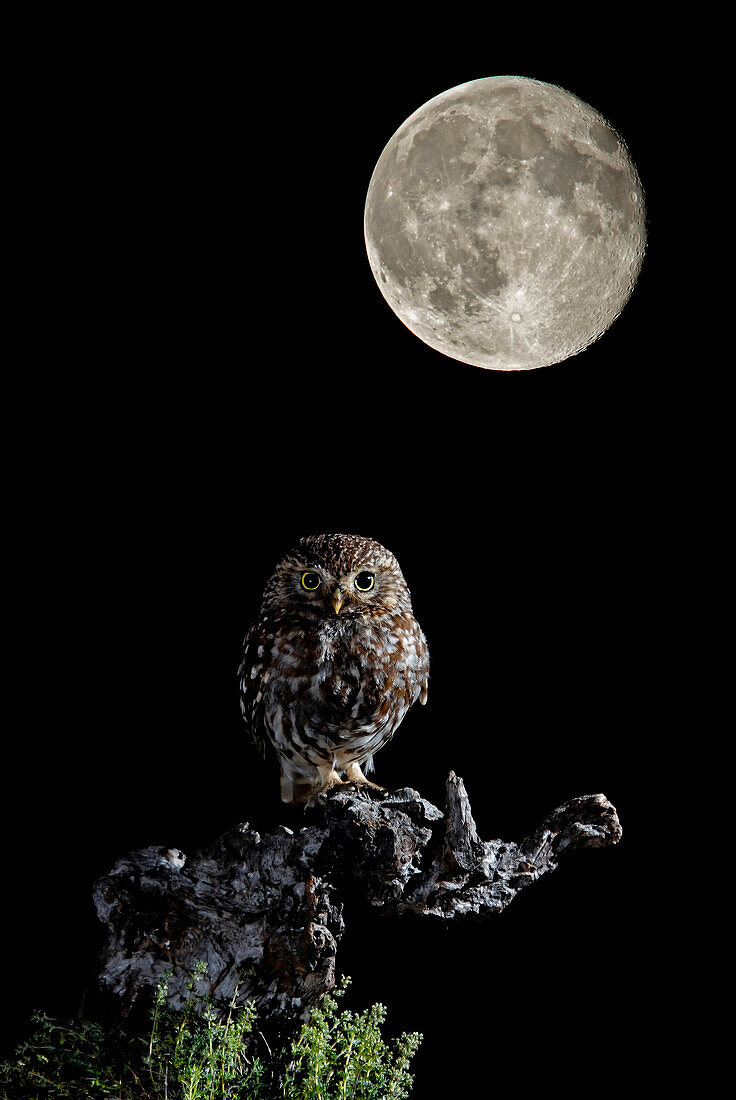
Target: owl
333,663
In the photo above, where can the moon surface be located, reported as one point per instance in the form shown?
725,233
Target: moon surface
505,223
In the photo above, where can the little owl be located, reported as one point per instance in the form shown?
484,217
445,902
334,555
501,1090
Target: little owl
333,663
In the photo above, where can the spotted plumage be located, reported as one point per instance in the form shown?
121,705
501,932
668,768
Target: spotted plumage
333,662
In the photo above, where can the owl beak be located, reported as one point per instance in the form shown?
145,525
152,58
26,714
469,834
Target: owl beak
337,598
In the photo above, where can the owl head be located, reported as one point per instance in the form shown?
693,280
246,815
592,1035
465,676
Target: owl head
337,577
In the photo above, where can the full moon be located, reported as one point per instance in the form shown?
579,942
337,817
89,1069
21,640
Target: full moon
505,223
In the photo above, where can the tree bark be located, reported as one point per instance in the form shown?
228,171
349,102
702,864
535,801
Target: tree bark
265,913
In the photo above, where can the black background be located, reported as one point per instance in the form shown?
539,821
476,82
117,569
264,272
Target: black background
209,371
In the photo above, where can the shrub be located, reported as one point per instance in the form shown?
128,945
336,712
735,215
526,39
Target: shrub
197,1054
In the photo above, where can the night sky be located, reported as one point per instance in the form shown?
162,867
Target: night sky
210,373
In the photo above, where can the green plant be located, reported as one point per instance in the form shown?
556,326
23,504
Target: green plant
76,1059
341,1056
197,1054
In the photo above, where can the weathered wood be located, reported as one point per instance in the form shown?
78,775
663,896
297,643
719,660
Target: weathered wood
265,912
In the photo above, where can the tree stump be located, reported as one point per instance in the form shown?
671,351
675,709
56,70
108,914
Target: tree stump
265,913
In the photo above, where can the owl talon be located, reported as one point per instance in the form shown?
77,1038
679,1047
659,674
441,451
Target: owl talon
367,783
332,780
355,775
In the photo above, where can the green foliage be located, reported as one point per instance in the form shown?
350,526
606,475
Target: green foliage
341,1056
71,1060
195,1054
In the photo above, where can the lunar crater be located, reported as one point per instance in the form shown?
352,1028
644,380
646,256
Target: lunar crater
501,191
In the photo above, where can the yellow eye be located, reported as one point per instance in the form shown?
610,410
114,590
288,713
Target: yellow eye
365,581
311,581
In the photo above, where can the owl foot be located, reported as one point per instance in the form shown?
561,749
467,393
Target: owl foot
355,775
331,780
307,788
325,783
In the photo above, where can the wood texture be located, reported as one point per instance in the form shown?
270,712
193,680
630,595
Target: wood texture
265,913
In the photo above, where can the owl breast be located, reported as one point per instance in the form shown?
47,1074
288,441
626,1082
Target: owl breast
338,691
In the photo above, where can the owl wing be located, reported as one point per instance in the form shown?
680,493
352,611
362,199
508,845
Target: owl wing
251,676
422,668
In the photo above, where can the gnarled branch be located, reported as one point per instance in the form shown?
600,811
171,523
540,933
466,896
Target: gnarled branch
266,914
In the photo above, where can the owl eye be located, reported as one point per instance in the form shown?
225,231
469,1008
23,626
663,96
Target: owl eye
365,581
311,581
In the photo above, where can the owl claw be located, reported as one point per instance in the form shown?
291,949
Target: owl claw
327,782
367,783
355,775
333,780
330,781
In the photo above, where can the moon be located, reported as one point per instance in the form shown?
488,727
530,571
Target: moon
505,223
